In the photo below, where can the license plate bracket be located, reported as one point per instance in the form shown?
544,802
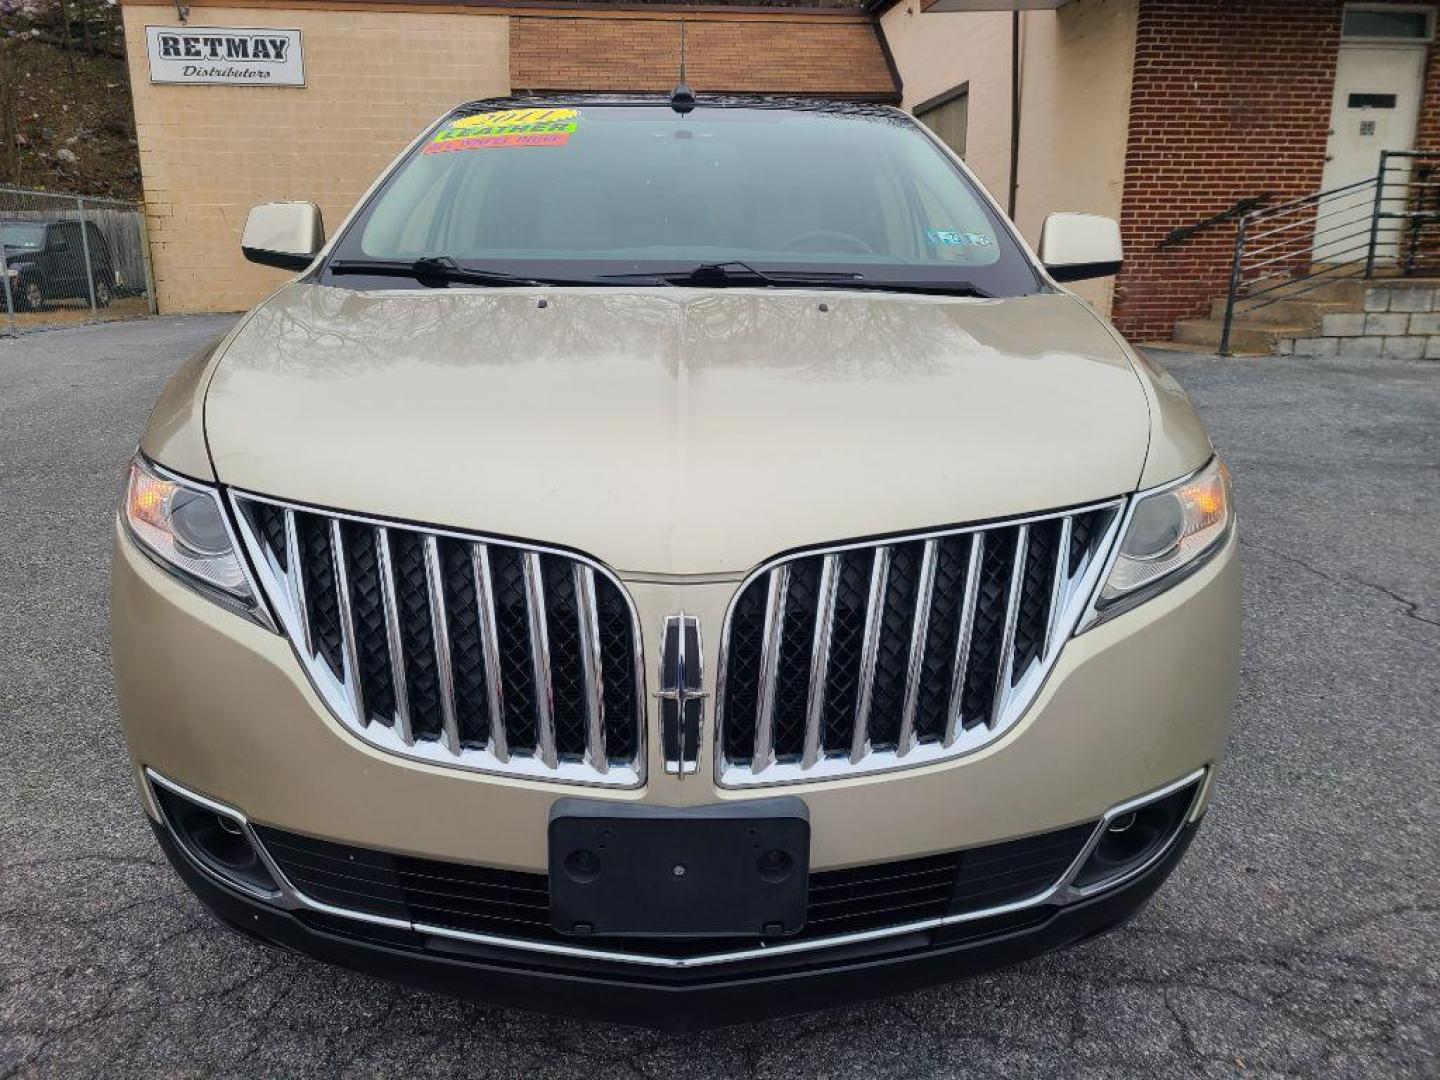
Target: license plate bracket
725,870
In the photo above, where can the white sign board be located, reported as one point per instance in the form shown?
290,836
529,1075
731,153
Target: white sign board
225,55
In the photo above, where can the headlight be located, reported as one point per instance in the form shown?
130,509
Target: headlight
181,525
1169,534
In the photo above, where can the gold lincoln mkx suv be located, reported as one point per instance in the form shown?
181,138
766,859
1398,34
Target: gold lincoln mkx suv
674,562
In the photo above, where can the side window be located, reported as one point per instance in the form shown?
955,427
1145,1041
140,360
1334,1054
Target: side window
56,240
948,117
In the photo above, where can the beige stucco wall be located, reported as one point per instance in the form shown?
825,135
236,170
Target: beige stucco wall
208,153
1076,66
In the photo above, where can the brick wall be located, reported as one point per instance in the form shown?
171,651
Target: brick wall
1427,130
1230,98
773,53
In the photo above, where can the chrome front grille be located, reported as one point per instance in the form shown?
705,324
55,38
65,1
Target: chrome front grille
458,650
880,656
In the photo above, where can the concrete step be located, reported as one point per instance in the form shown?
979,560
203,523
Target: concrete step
1245,337
1305,312
1340,289
1395,282
1341,285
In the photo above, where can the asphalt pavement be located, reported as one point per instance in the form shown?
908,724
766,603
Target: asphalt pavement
1301,937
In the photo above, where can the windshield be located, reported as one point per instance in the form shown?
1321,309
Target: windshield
17,237
595,191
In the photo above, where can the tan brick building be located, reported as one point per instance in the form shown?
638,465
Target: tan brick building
375,72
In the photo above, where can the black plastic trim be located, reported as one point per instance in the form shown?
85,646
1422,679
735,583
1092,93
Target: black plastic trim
1083,271
283,259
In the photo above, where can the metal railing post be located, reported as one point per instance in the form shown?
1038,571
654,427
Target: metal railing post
1234,291
1416,183
85,246
1375,215
9,299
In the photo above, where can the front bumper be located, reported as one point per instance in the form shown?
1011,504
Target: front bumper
686,1000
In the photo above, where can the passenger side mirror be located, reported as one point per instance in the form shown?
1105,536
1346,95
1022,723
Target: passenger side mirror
283,234
1074,247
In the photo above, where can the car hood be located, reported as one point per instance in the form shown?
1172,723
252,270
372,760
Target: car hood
676,431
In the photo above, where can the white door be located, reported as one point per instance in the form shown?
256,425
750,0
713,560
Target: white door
1376,105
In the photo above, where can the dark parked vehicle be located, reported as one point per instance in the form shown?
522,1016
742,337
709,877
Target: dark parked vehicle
46,260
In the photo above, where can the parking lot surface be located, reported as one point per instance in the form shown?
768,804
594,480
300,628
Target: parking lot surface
1301,937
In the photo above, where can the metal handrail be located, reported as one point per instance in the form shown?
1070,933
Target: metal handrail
1341,231
1240,209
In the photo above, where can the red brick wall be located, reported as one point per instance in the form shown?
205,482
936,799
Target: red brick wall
1427,131
1231,98
836,56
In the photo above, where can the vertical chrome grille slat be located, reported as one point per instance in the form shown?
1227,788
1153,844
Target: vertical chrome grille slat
540,660
349,649
820,659
296,580
403,727
870,652
489,650
588,616
440,632
1059,588
778,589
954,722
1004,675
919,631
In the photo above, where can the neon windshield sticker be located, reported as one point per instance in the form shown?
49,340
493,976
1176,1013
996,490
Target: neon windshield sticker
951,238
509,127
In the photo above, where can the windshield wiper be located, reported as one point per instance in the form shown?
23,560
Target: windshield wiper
435,271
718,275
735,273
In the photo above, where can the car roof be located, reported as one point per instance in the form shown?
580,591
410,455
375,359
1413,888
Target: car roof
702,101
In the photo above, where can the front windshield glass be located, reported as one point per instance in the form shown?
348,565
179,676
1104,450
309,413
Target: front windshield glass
595,191
17,237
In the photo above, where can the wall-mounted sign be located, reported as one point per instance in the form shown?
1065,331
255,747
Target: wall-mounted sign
225,55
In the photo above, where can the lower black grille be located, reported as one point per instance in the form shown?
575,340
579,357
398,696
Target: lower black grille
1017,870
505,903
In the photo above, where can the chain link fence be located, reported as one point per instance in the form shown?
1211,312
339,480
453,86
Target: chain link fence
68,259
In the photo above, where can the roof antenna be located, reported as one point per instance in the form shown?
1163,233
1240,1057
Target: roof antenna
682,98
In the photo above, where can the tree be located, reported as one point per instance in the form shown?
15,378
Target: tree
9,110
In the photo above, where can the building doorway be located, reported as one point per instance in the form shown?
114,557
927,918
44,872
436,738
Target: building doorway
1379,80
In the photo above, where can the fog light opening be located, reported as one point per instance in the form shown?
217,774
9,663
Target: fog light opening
1133,839
216,840
1122,824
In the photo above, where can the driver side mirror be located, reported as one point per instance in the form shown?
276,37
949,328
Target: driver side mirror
283,234
1075,247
